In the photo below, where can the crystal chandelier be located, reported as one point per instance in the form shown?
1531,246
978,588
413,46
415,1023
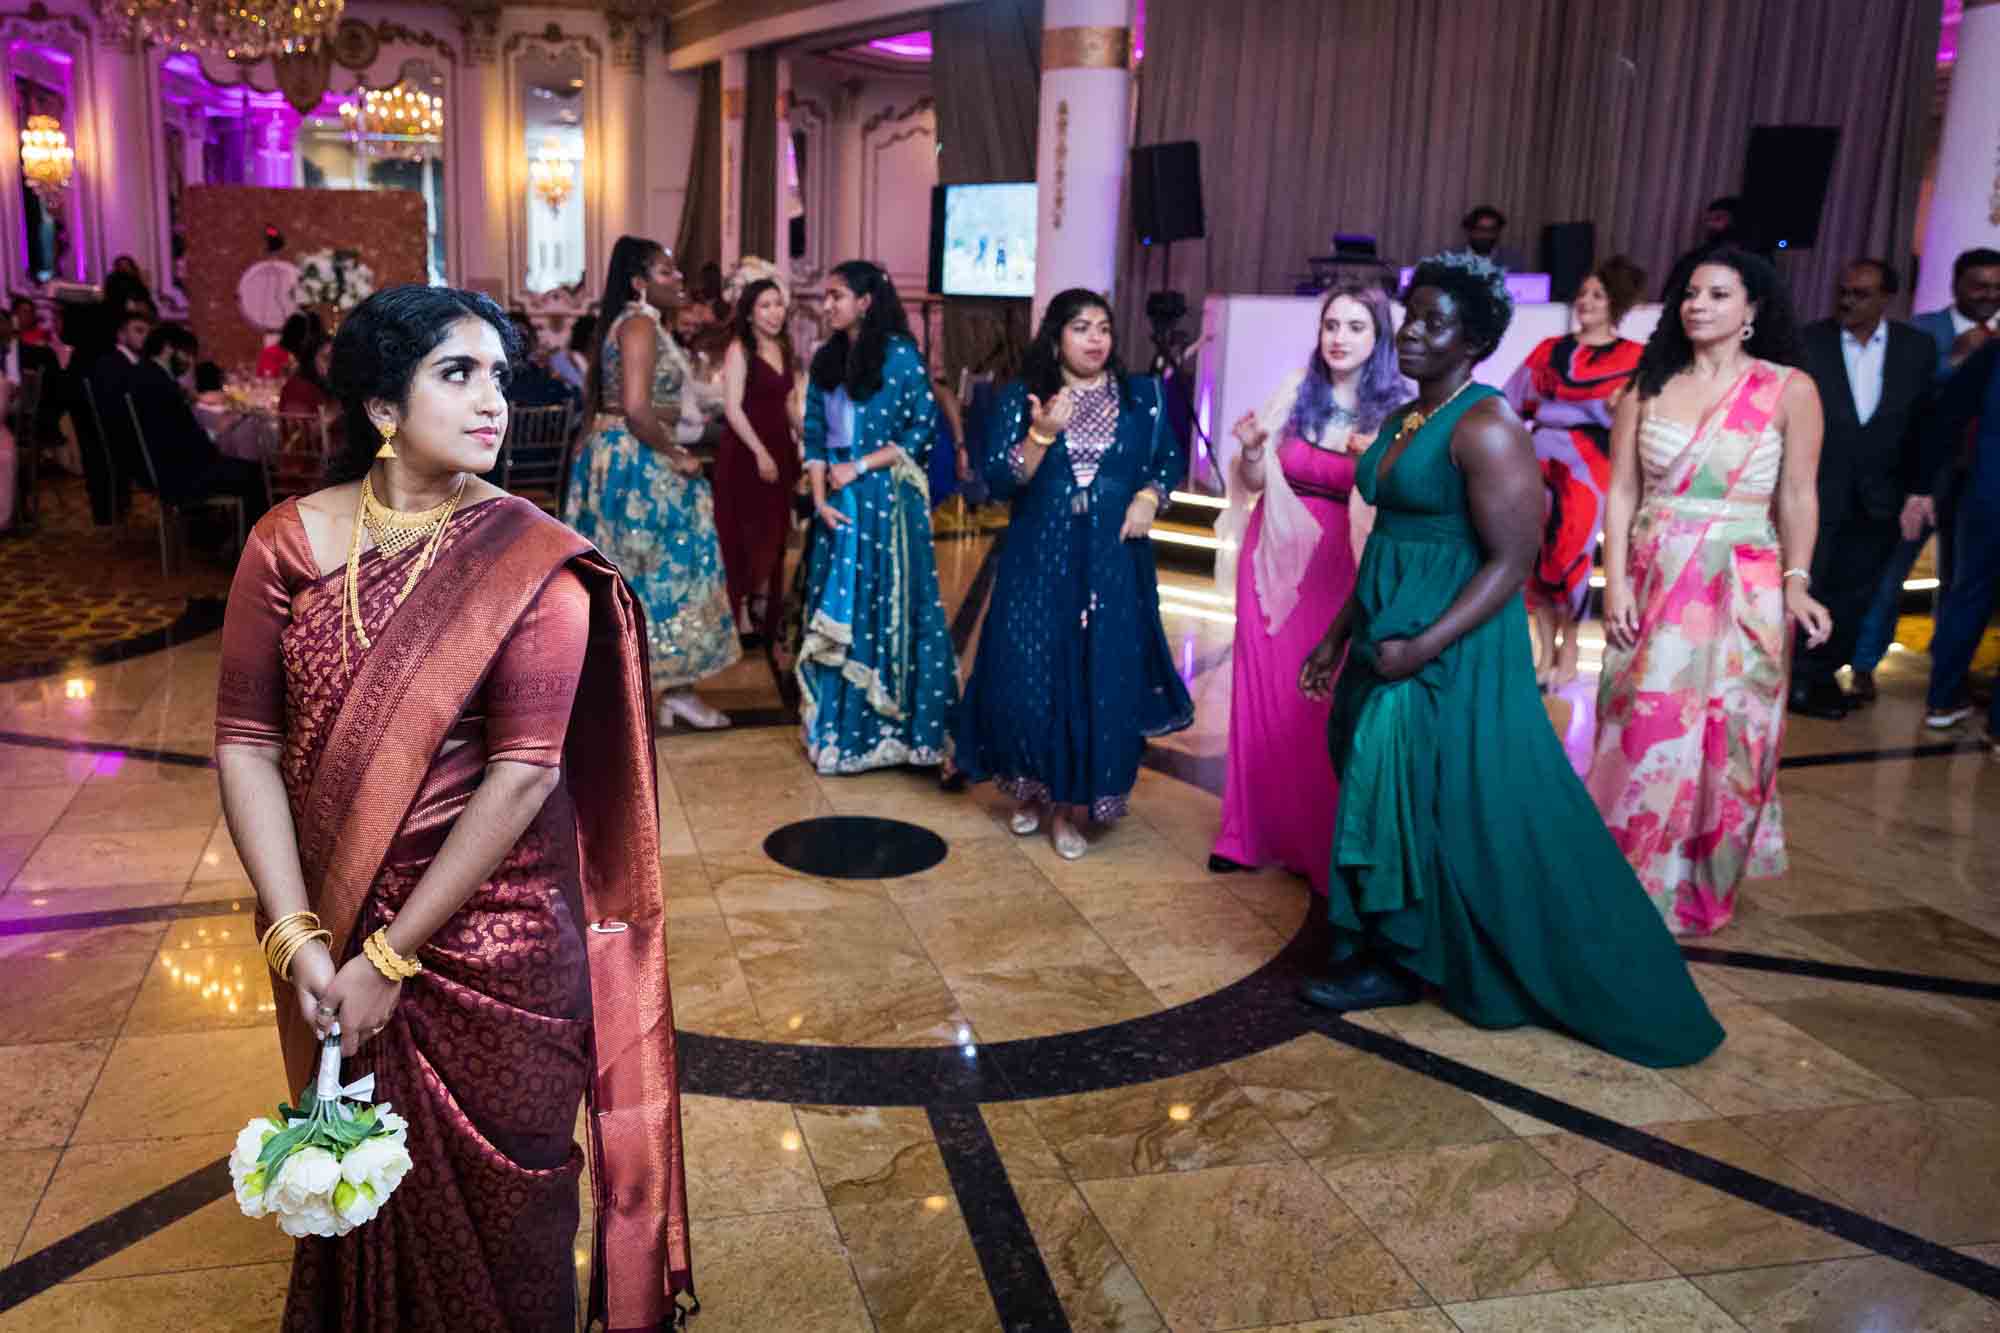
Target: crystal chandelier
239,29
46,157
549,176
399,120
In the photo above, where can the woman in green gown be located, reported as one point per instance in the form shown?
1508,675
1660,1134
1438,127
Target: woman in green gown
1466,853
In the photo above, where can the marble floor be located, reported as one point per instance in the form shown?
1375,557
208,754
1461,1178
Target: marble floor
1009,1092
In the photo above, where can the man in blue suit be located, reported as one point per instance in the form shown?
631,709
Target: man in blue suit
1957,331
1968,405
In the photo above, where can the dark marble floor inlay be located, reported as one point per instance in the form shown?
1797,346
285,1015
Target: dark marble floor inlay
855,847
1017,1277
35,1273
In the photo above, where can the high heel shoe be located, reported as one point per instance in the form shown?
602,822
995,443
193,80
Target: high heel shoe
686,706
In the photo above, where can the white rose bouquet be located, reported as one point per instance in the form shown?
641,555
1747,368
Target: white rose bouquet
328,1166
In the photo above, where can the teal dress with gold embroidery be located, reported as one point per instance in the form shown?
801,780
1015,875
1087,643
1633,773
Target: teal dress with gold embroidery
1465,849
876,671
656,525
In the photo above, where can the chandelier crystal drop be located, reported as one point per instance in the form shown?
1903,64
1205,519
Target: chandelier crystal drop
46,157
247,30
550,177
399,120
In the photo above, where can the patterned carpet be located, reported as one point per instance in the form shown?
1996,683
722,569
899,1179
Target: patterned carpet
70,590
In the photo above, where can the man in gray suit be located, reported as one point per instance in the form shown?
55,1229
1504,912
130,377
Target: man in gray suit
1957,331
1873,375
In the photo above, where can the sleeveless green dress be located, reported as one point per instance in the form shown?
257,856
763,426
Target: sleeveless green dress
1465,848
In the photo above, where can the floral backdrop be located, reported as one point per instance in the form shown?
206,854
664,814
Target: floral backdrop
384,229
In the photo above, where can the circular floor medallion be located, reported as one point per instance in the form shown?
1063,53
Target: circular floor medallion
855,847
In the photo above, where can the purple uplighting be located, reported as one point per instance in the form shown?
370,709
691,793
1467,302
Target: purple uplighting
1954,11
109,763
904,46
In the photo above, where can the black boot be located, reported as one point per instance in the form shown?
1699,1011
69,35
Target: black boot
1362,983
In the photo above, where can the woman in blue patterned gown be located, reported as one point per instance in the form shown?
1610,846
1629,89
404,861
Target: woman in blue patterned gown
876,671
1074,671
638,495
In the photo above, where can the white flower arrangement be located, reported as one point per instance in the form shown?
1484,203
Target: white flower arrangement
754,268
333,277
326,1167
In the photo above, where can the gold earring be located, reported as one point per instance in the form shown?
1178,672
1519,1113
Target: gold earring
387,450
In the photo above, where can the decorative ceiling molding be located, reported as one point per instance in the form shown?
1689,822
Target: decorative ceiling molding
888,114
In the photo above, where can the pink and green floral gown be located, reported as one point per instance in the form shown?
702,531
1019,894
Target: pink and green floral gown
1691,719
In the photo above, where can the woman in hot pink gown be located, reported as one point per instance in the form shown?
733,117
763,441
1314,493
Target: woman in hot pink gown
1295,571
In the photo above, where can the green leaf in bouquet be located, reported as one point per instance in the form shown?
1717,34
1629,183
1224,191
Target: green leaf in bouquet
367,1121
279,1148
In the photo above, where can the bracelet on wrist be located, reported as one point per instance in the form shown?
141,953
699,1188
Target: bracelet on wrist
287,936
1035,434
392,965
1797,573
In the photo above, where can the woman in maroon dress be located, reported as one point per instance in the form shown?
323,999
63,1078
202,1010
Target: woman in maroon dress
395,737
758,467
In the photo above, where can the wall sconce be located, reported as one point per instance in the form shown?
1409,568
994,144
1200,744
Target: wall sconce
549,176
46,157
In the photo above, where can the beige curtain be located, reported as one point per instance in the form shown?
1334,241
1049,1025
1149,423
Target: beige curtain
986,72
700,238
1391,117
759,232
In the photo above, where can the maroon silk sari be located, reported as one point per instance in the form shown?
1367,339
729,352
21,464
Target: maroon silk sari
522,1011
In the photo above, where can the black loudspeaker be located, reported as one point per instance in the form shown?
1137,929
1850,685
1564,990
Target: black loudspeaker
1166,193
1569,250
1785,175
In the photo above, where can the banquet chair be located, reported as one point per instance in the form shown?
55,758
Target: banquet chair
23,412
295,463
534,460
174,514
97,437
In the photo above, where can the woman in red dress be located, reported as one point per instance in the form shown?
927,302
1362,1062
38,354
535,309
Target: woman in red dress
1566,391
396,743
758,466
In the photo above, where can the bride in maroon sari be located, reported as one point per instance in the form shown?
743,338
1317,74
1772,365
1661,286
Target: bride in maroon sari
394,731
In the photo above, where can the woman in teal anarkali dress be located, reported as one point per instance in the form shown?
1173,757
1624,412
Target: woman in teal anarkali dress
1466,852
876,672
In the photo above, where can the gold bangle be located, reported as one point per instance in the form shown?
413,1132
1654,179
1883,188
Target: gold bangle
285,938
287,952
377,949
1043,440
285,920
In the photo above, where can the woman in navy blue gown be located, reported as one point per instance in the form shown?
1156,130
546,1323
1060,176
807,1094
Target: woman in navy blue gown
1074,672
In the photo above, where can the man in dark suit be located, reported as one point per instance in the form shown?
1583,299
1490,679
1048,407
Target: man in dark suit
1959,330
109,463
185,460
1872,374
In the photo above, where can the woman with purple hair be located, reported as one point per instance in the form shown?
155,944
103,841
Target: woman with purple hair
1288,515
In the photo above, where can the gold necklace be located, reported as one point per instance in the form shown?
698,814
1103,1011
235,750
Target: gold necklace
1416,420
394,532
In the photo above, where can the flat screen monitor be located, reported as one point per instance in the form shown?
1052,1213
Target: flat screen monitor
983,240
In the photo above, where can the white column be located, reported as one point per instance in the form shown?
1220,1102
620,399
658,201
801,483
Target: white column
123,172
1965,201
1083,144
735,74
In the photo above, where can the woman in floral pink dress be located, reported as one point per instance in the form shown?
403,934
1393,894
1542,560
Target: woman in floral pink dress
1708,534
